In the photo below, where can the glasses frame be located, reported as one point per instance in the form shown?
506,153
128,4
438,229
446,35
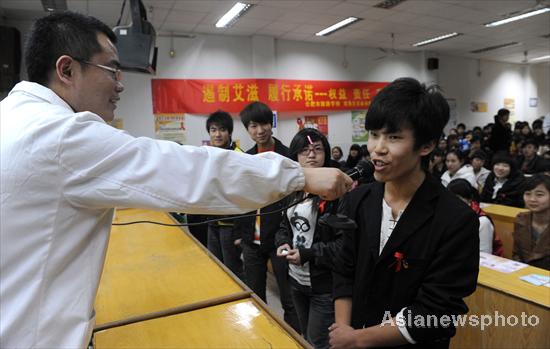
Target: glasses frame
307,150
116,72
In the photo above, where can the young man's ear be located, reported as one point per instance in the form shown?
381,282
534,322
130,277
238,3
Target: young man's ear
427,148
64,69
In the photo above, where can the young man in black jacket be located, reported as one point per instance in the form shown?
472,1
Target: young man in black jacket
258,234
415,253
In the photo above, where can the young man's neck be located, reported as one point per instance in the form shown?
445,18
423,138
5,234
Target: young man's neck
267,145
401,191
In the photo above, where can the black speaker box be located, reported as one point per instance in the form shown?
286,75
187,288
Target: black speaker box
10,58
433,63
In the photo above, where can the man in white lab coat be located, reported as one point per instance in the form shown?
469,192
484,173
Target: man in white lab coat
63,170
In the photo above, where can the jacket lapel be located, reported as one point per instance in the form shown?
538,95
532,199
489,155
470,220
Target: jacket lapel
372,219
418,211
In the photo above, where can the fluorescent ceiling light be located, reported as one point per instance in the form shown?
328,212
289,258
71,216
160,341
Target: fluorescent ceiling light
439,38
540,58
337,26
518,17
231,16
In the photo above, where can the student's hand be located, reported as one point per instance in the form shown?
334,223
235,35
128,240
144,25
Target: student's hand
293,257
342,336
237,242
327,182
280,249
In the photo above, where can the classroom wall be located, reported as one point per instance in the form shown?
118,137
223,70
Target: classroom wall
226,57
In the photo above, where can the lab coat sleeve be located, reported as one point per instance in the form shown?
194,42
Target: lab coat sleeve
106,167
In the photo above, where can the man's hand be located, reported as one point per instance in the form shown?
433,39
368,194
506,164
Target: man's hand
329,183
342,336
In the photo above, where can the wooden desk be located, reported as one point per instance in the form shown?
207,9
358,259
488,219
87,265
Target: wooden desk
507,295
503,218
151,268
240,324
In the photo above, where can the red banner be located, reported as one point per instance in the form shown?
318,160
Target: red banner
232,95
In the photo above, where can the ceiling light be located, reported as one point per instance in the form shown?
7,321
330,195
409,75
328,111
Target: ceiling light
439,38
542,58
518,17
232,15
496,47
337,26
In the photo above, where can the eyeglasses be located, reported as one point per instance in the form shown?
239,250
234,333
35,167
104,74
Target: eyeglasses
115,72
316,150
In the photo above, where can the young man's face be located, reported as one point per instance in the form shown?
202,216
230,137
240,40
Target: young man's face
393,155
260,133
219,135
96,89
477,163
529,151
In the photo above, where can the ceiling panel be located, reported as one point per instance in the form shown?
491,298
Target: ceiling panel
411,21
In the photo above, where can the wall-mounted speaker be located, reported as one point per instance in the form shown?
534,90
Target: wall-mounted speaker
433,63
10,58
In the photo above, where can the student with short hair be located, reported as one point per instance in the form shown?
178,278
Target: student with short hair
415,252
258,233
222,239
477,160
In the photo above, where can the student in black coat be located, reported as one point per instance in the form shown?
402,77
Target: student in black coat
415,253
258,233
503,186
501,137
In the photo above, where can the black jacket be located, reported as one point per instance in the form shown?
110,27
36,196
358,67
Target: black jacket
510,194
438,239
269,224
326,244
501,138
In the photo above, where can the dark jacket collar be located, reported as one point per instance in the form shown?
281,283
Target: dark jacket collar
419,210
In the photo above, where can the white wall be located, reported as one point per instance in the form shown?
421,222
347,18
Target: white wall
226,57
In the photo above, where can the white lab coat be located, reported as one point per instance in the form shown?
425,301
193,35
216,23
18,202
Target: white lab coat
62,175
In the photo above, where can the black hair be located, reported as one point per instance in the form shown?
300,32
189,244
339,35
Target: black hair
503,157
537,124
339,149
458,154
461,187
501,112
534,181
221,118
301,141
365,150
352,161
406,103
62,33
258,112
437,152
479,154
530,141
461,125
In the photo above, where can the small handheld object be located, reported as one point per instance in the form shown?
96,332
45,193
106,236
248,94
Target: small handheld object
284,252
